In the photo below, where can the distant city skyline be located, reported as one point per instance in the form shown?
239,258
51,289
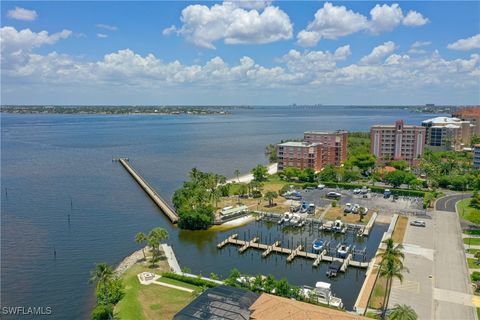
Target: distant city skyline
240,53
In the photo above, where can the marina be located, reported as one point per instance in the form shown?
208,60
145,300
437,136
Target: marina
345,259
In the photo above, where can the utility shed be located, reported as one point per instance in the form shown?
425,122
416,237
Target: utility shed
222,302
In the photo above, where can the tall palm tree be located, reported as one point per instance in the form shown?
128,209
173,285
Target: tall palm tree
392,252
102,275
237,174
402,312
141,238
390,269
154,238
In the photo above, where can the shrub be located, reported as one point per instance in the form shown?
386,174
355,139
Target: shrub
475,276
102,312
194,281
334,203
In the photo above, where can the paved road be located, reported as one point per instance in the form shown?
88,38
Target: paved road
448,203
437,286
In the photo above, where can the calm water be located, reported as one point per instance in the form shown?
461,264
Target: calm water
53,166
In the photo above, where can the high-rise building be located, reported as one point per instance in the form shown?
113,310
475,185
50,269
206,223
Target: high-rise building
476,156
335,141
397,142
472,115
304,155
444,133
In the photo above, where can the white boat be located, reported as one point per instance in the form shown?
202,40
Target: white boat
322,293
286,218
294,220
343,250
337,225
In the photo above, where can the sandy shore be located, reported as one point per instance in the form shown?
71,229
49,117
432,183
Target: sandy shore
246,178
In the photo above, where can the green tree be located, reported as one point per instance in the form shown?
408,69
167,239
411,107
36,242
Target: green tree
141,238
364,162
392,251
395,178
102,312
328,174
102,274
154,238
269,196
282,288
361,213
402,312
260,173
232,277
399,164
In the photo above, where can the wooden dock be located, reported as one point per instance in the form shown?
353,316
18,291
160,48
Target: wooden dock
292,253
159,201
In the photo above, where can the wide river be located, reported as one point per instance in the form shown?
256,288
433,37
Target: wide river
56,166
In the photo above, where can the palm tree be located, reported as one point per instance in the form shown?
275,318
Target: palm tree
154,238
237,174
392,252
269,196
141,238
102,275
402,312
390,269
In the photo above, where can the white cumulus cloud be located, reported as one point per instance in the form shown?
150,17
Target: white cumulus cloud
102,35
332,22
466,44
379,53
203,25
414,19
22,14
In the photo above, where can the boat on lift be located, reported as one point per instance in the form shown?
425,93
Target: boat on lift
318,244
322,293
343,250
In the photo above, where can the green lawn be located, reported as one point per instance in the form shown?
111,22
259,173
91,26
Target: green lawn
472,263
467,212
472,241
152,301
472,251
475,232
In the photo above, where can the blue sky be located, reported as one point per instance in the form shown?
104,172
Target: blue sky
240,53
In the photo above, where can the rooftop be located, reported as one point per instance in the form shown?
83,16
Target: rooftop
326,132
270,307
443,120
298,144
219,303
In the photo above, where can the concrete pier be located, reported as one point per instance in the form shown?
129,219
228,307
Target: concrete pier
292,253
159,201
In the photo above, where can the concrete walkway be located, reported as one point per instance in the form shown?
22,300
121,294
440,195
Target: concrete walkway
171,259
168,285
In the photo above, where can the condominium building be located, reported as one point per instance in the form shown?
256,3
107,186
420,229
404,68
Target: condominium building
476,156
472,115
397,142
301,155
444,133
335,141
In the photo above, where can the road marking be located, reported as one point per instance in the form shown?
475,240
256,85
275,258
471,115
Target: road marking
407,285
456,297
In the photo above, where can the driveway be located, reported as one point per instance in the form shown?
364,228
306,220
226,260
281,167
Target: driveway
448,203
438,285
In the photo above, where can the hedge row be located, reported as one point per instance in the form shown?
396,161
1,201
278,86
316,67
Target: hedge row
195,281
376,189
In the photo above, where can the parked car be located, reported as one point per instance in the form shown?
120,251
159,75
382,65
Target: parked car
348,208
418,223
387,193
364,190
355,208
356,191
321,186
333,195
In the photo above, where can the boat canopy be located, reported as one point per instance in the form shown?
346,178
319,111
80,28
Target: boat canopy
323,285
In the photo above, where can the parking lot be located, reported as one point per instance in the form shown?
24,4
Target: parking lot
373,200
